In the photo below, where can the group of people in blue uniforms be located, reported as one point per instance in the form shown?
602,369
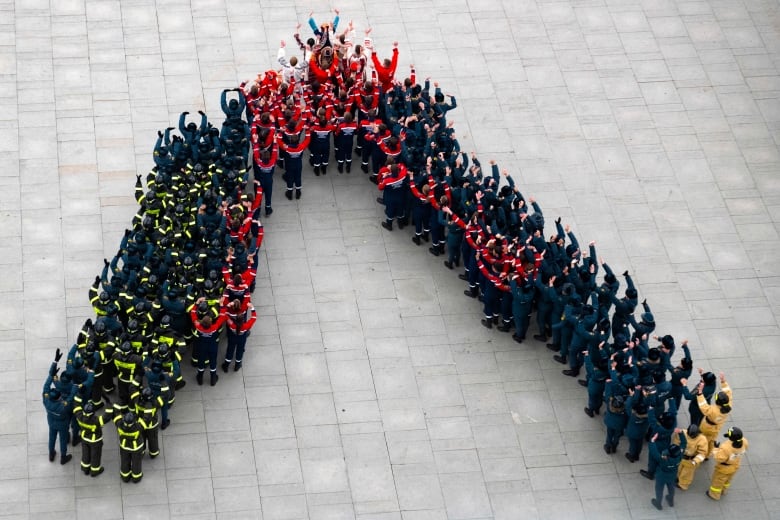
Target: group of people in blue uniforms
188,264
184,272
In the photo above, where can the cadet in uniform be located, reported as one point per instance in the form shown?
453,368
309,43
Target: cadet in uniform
91,425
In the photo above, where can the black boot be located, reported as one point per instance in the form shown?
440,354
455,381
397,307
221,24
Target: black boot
214,377
448,264
517,338
340,167
288,194
317,171
349,166
199,377
463,277
268,211
364,167
237,366
434,250
298,193
471,292
225,366
646,474
560,359
388,225
571,372
540,337
588,412
64,460
505,327
487,323
324,169
402,222
416,239
427,236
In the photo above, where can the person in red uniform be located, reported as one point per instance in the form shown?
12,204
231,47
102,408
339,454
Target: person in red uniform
385,71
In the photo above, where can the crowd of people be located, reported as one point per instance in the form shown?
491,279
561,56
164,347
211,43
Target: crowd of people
187,266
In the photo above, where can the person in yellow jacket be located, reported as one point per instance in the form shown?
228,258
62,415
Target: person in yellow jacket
715,415
694,454
728,457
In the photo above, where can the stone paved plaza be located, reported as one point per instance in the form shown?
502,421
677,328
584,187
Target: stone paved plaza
370,391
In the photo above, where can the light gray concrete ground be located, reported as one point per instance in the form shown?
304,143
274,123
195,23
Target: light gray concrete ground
370,391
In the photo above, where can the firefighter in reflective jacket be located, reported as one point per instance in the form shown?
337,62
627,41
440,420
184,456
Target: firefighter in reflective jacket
147,407
129,367
694,454
131,446
715,415
728,457
91,431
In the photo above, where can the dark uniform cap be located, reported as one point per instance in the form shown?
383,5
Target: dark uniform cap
674,451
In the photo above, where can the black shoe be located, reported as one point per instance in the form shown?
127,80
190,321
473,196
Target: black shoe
380,200
136,480
225,366
646,474
317,171
630,458
487,323
199,377
297,194
427,236
552,347
607,449
214,377
76,440
517,338
375,180
288,194
463,277
559,359
670,500
349,166
52,456
540,337
588,412
268,211
165,424
126,479
237,366
85,470
495,320
582,382
340,167
416,239
364,167
387,225
67,458
403,222
571,372
504,327
471,293
657,504
324,169
434,250
448,264
597,411
180,384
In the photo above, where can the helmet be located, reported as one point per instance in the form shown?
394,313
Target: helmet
125,347
139,308
100,327
734,434
203,307
708,378
54,394
208,285
165,321
132,326
162,350
146,394
213,275
128,418
89,408
104,297
153,280
674,450
722,398
693,431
